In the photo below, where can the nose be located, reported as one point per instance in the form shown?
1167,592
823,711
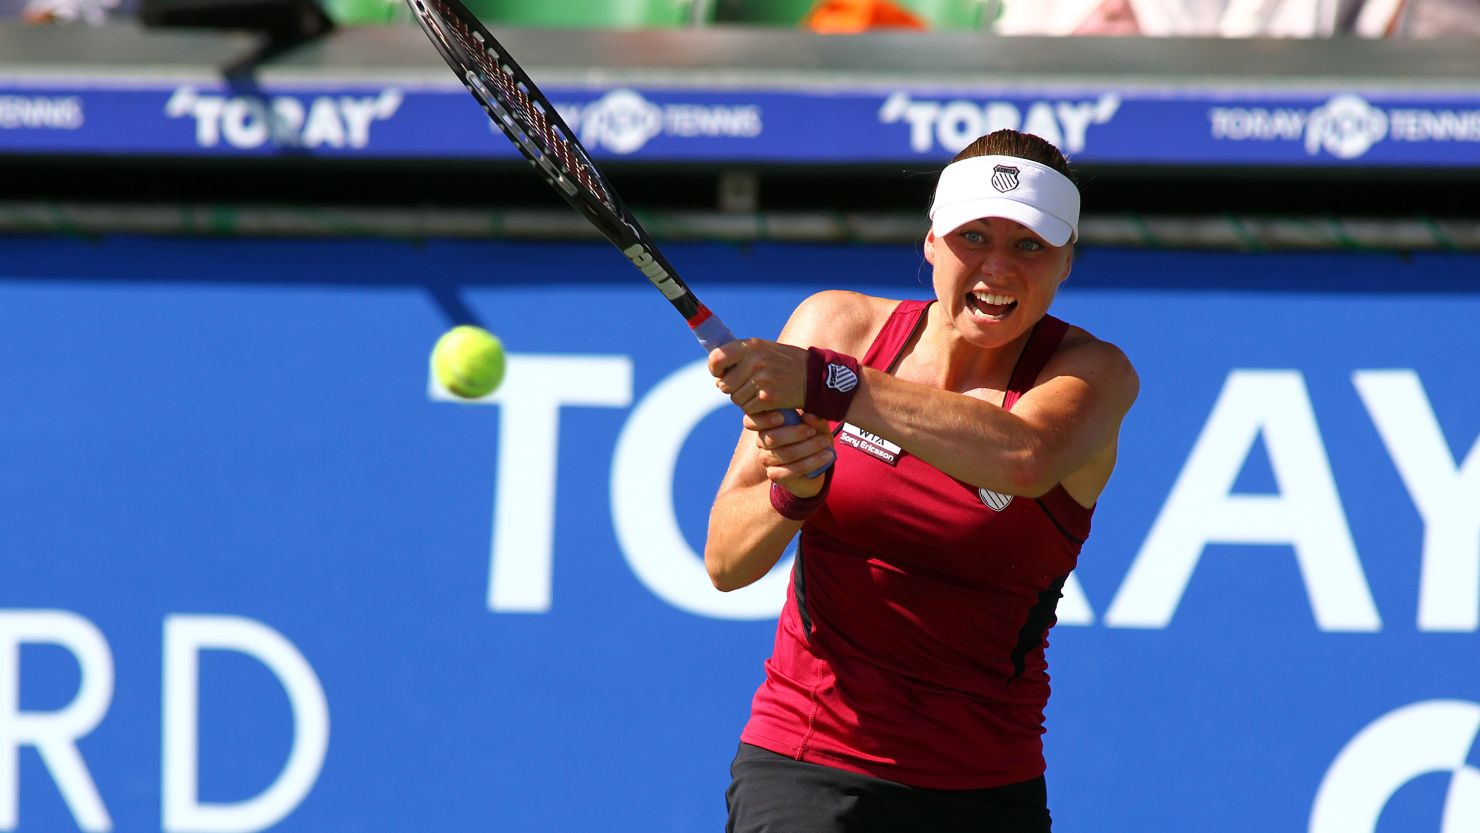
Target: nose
994,260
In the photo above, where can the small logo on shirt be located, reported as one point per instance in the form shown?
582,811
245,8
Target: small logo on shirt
871,444
994,500
1004,178
841,378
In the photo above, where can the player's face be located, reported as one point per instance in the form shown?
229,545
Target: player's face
995,278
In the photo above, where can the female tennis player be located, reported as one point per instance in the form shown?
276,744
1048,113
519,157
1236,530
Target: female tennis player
970,437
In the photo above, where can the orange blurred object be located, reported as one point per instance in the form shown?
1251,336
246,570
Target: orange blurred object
1112,17
846,17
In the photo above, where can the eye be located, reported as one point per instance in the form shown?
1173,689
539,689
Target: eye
972,236
1030,244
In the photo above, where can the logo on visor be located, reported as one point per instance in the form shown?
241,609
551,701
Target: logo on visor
1004,178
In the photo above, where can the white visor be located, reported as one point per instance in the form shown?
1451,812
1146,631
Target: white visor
1016,189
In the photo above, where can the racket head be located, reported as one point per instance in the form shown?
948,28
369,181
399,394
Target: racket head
512,100
525,115
515,103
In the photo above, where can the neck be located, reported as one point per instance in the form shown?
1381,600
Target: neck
956,364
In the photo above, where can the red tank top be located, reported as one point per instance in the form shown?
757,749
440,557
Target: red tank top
911,646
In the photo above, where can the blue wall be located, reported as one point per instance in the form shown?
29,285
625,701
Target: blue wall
226,482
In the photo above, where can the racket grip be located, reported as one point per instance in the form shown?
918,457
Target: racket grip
711,333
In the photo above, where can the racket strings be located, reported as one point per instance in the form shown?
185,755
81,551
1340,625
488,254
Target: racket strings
528,117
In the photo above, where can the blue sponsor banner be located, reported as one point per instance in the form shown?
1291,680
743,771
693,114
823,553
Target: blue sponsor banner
257,573
866,125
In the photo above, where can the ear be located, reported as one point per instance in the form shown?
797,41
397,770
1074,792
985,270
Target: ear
930,247
1068,265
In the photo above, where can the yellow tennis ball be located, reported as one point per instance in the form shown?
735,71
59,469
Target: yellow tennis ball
469,361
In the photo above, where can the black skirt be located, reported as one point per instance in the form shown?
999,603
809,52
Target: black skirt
771,793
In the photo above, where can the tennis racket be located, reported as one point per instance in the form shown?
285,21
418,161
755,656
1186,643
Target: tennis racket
523,113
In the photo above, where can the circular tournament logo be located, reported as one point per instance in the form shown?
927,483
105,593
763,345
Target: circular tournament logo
1346,127
622,121
1434,736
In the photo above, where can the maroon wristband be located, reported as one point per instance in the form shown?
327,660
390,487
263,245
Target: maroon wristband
799,508
832,381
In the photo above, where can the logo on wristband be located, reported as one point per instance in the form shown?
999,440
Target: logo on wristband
841,378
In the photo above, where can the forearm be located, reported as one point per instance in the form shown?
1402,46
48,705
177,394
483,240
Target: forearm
965,437
746,536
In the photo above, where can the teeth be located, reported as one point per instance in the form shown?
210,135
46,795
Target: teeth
995,300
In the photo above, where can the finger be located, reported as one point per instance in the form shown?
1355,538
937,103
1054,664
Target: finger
728,384
748,398
784,435
723,357
756,399
798,471
763,421
821,424
731,388
790,453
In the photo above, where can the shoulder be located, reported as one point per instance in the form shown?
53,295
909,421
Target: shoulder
1098,362
838,320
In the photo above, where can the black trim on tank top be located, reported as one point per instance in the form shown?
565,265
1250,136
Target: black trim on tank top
799,590
1035,627
1056,524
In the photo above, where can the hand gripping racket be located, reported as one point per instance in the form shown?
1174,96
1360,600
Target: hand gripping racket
523,113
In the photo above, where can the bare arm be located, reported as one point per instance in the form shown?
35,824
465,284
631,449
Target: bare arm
1062,426
746,535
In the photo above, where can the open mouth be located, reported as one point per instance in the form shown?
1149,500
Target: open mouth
989,304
